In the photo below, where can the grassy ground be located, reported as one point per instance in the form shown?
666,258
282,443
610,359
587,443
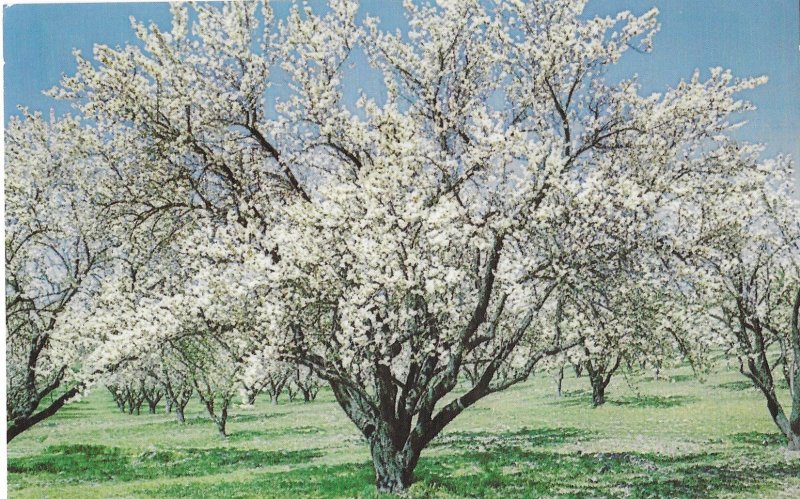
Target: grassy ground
678,438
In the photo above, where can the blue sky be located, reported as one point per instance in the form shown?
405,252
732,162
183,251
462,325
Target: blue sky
753,37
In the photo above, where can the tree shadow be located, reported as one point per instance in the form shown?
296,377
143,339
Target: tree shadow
99,463
501,471
653,401
737,386
759,439
582,398
515,472
246,435
526,437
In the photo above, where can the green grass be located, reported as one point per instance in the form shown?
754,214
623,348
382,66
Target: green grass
676,437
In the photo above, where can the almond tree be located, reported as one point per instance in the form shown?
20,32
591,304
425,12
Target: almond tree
177,383
56,250
749,281
388,243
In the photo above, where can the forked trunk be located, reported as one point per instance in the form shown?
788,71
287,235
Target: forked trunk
393,468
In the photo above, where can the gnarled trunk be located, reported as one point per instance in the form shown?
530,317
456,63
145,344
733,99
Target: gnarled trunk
393,467
600,374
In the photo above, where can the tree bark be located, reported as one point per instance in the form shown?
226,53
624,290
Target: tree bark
598,393
21,425
393,468
559,381
179,414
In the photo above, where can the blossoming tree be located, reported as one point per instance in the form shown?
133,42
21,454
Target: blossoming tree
386,240
56,251
748,280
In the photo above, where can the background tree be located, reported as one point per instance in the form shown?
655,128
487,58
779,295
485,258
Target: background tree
748,279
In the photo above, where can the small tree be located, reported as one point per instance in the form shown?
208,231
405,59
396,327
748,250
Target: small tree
305,381
176,381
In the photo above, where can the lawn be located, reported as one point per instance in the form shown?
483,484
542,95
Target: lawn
675,437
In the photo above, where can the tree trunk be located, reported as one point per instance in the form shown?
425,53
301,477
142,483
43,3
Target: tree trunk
306,396
273,397
392,468
559,381
779,417
22,424
598,393
179,414
222,420
152,407
251,398
168,405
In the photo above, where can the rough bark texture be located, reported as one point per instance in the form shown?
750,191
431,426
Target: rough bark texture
393,468
600,374
22,424
598,393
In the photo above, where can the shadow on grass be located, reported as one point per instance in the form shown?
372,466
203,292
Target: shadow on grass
79,463
513,472
247,435
205,420
581,398
759,439
653,401
677,378
737,386
74,411
525,438
740,386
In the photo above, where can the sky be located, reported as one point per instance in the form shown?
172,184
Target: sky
750,37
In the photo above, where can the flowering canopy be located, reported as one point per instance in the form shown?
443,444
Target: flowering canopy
387,241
